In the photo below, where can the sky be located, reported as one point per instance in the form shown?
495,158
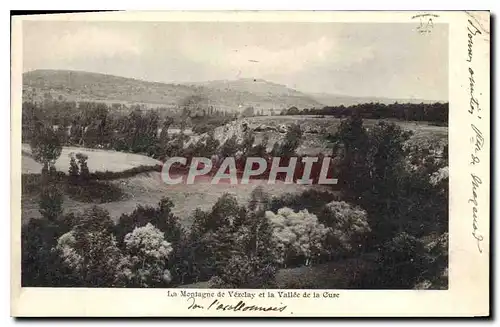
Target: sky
358,59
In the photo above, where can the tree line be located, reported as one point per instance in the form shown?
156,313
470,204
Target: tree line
435,112
116,126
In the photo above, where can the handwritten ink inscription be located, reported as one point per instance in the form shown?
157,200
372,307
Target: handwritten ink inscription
477,139
476,181
217,305
472,32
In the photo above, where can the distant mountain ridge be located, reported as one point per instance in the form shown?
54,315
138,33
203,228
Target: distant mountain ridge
85,86
227,95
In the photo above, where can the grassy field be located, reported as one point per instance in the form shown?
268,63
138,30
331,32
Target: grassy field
99,160
148,189
333,275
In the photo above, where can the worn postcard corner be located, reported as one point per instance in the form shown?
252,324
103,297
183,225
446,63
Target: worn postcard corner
251,164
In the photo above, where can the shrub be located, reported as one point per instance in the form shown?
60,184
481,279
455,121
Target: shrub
404,263
95,192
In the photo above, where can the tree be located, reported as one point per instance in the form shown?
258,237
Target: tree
293,111
246,271
164,137
350,152
193,105
259,200
247,143
230,235
290,144
371,166
161,217
74,170
402,264
299,235
206,146
45,147
164,220
90,250
146,256
51,200
248,112
84,169
229,148
39,266
349,228
259,150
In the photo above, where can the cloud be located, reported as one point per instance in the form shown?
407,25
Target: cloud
260,61
372,59
67,45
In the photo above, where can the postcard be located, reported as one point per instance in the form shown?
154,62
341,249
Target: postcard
251,164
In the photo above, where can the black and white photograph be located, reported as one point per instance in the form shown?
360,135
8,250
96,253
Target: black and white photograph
194,156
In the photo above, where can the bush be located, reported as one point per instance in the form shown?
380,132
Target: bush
405,262
243,271
311,200
110,175
95,192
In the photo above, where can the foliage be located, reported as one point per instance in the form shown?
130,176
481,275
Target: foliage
435,112
209,121
74,171
311,199
407,262
90,250
39,266
248,112
229,148
289,145
162,218
51,200
243,271
297,234
217,282
373,169
45,146
94,191
349,228
206,147
145,258
350,150
234,244
84,172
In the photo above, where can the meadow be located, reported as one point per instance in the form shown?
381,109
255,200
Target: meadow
148,189
98,160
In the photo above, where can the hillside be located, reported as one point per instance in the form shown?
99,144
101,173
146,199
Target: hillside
229,96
